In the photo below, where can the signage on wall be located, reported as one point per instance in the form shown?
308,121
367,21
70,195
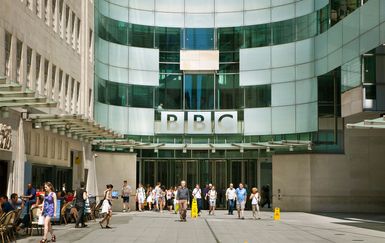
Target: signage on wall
198,122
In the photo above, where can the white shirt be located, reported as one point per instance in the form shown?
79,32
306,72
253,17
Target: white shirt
212,194
255,199
230,193
197,193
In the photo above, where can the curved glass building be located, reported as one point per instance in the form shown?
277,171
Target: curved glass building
215,90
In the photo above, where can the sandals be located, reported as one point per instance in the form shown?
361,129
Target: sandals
43,241
53,239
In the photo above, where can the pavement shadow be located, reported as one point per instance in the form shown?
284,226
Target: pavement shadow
364,221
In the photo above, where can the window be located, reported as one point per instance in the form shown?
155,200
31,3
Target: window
116,94
199,39
230,39
283,32
257,35
142,96
7,43
169,92
229,94
306,26
199,91
142,36
168,39
258,96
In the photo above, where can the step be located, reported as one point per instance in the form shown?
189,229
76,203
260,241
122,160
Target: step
10,87
3,79
17,94
23,100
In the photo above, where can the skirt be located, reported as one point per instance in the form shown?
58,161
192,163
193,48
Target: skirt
106,207
141,199
149,199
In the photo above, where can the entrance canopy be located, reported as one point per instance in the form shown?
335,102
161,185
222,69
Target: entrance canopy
131,144
377,123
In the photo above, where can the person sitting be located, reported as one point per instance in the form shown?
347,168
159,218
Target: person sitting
16,202
5,204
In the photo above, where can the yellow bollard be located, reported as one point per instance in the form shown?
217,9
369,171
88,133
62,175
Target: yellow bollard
277,213
194,209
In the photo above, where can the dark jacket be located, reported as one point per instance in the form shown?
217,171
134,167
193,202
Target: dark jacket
183,194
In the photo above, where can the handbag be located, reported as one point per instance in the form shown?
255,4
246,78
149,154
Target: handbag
40,220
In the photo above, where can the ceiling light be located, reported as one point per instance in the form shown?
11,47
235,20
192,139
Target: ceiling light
184,150
241,150
156,150
131,149
268,149
291,148
213,150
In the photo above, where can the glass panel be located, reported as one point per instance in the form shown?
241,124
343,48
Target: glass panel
169,68
142,36
199,91
101,90
230,39
258,96
229,95
236,172
170,91
199,39
257,35
113,30
168,39
169,56
162,171
142,96
117,94
306,26
229,56
149,172
283,32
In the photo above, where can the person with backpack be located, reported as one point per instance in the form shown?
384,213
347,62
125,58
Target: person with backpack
80,197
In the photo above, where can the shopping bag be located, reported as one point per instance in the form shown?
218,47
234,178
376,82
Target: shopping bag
40,220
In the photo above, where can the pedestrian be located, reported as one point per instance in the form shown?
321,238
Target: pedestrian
197,194
49,211
230,198
140,196
183,197
81,197
241,195
162,198
212,195
156,193
150,198
255,199
207,195
176,204
126,192
205,190
106,206
170,198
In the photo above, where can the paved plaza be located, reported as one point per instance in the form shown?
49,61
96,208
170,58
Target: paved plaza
149,227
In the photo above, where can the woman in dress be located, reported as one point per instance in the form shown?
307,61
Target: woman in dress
140,196
170,198
150,198
106,206
212,194
49,211
162,198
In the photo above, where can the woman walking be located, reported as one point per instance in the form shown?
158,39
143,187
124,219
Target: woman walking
150,198
212,194
106,206
49,211
162,198
170,198
255,199
140,196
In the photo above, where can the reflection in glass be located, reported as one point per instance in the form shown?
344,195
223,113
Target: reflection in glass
167,39
258,96
230,39
169,92
257,35
199,39
199,91
283,32
229,94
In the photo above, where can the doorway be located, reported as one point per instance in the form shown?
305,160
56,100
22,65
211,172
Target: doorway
3,177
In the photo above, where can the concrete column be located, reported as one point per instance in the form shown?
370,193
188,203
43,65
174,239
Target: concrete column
2,52
32,73
12,59
23,67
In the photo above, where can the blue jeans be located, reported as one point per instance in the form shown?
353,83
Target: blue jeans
231,206
199,202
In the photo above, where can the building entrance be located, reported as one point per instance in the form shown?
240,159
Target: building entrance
204,171
3,176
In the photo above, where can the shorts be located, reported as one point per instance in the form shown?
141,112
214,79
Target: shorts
212,202
126,199
241,205
170,202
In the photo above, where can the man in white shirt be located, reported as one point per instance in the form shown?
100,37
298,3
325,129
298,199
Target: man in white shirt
230,198
197,194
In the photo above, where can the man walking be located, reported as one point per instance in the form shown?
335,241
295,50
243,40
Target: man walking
81,197
230,198
126,192
241,195
183,197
